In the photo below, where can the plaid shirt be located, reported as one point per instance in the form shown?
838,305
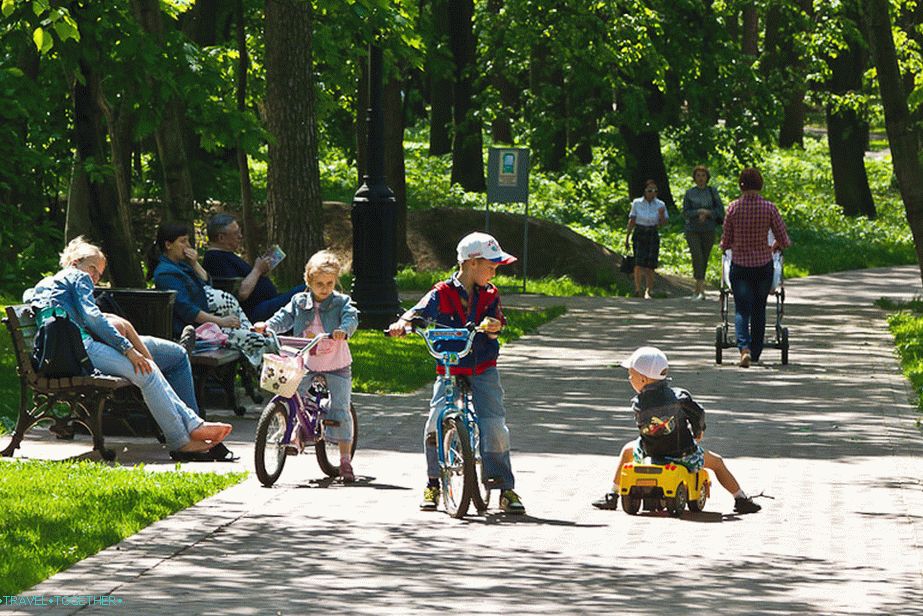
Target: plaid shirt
746,230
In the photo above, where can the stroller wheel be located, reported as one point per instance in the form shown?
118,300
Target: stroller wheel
784,345
719,343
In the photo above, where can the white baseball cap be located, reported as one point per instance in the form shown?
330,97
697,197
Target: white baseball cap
485,246
649,361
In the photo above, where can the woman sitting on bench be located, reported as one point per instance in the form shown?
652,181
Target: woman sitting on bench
160,368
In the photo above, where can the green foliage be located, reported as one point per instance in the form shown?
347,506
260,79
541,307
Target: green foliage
409,279
906,326
57,513
383,364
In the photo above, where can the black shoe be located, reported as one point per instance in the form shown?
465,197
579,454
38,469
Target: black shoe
745,505
609,501
187,339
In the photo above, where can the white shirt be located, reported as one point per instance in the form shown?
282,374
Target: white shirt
645,212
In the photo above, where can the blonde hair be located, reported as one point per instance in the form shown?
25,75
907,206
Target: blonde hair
79,250
322,261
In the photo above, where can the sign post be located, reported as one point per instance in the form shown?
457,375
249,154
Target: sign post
508,182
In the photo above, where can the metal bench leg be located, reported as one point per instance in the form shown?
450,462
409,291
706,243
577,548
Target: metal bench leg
27,419
95,421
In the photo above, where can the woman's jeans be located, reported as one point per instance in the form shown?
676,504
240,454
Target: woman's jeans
167,391
487,394
340,387
700,245
750,286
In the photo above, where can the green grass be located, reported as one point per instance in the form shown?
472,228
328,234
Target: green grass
402,365
411,280
906,325
57,513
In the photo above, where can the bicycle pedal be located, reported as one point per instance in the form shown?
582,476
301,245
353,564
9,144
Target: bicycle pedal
331,422
291,450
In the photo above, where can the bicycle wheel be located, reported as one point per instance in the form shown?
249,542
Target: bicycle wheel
328,454
481,493
269,450
456,473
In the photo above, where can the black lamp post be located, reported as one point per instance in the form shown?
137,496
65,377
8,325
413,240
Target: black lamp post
374,220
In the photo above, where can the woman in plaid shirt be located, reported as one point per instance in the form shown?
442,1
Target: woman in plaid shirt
746,229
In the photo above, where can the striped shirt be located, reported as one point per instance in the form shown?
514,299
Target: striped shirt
746,229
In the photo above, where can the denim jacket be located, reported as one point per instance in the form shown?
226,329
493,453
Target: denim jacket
190,291
71,289
336,312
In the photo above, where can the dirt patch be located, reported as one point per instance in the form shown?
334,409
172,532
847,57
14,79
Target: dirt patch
554,250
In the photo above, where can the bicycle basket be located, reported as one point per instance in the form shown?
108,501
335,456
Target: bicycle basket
282,375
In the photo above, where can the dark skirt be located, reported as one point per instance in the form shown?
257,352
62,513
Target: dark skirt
645,241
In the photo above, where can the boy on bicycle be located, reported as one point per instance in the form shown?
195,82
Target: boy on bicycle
468,297
671,425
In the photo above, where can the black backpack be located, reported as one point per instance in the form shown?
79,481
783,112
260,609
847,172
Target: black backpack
58,350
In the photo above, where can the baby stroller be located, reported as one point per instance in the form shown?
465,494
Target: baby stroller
724,334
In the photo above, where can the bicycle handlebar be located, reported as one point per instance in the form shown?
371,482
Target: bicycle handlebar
313,342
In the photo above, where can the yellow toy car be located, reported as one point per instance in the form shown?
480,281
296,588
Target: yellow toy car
663,486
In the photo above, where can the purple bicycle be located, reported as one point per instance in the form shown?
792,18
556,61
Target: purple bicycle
293,422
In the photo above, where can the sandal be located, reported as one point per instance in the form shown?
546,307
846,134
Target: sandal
220,453
192,456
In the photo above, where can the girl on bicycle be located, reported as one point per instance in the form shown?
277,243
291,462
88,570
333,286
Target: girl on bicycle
319,310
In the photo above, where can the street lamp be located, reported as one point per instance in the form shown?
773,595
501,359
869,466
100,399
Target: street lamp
374,215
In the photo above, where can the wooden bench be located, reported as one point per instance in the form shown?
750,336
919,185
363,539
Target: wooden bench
84,398
221,365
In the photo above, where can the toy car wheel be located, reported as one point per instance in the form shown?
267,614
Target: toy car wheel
699,504
719,343
677,504
631,504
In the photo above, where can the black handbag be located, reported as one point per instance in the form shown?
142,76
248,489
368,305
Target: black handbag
628,264
58,350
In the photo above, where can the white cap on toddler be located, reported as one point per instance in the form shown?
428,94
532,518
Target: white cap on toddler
485,246
649,361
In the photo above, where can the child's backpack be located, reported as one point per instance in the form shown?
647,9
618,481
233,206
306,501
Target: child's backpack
58,350
664,426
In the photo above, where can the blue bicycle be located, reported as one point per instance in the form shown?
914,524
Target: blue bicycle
457,430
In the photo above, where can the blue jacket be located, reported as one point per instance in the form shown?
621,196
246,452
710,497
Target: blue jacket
336,312
190,291
71,289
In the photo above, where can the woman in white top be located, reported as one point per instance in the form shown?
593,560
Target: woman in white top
647,214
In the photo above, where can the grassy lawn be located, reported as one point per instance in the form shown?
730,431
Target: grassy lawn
906,324
402,365
57,513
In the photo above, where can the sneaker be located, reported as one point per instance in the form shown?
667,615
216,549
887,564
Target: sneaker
745,360
511,503
187,339
430,499
346,472
609,501
745,505
647,294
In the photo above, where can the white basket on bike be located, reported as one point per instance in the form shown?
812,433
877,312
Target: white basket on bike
282,375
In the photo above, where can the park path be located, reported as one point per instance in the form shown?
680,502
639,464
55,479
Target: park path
830,439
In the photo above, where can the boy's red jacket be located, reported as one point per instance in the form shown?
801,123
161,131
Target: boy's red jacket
445,304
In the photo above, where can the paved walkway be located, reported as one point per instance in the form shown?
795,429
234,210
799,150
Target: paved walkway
830,439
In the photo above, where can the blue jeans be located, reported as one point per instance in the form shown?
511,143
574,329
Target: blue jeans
340,386
268,307
173,361
175,418
487,394
750,286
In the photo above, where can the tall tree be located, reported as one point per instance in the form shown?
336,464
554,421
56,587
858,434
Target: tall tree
902,135
788,26
248,215
467,142
293,198
847,128
439,69
171,148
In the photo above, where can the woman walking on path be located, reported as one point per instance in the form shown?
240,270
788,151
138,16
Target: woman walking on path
746,229
647,214
703,212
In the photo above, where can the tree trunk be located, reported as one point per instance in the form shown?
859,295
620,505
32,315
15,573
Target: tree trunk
171,149
97,199
644,161
439,64
501,126
847,131
749,44
549,120
395,174
467,143
293,199
252,238
902,138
